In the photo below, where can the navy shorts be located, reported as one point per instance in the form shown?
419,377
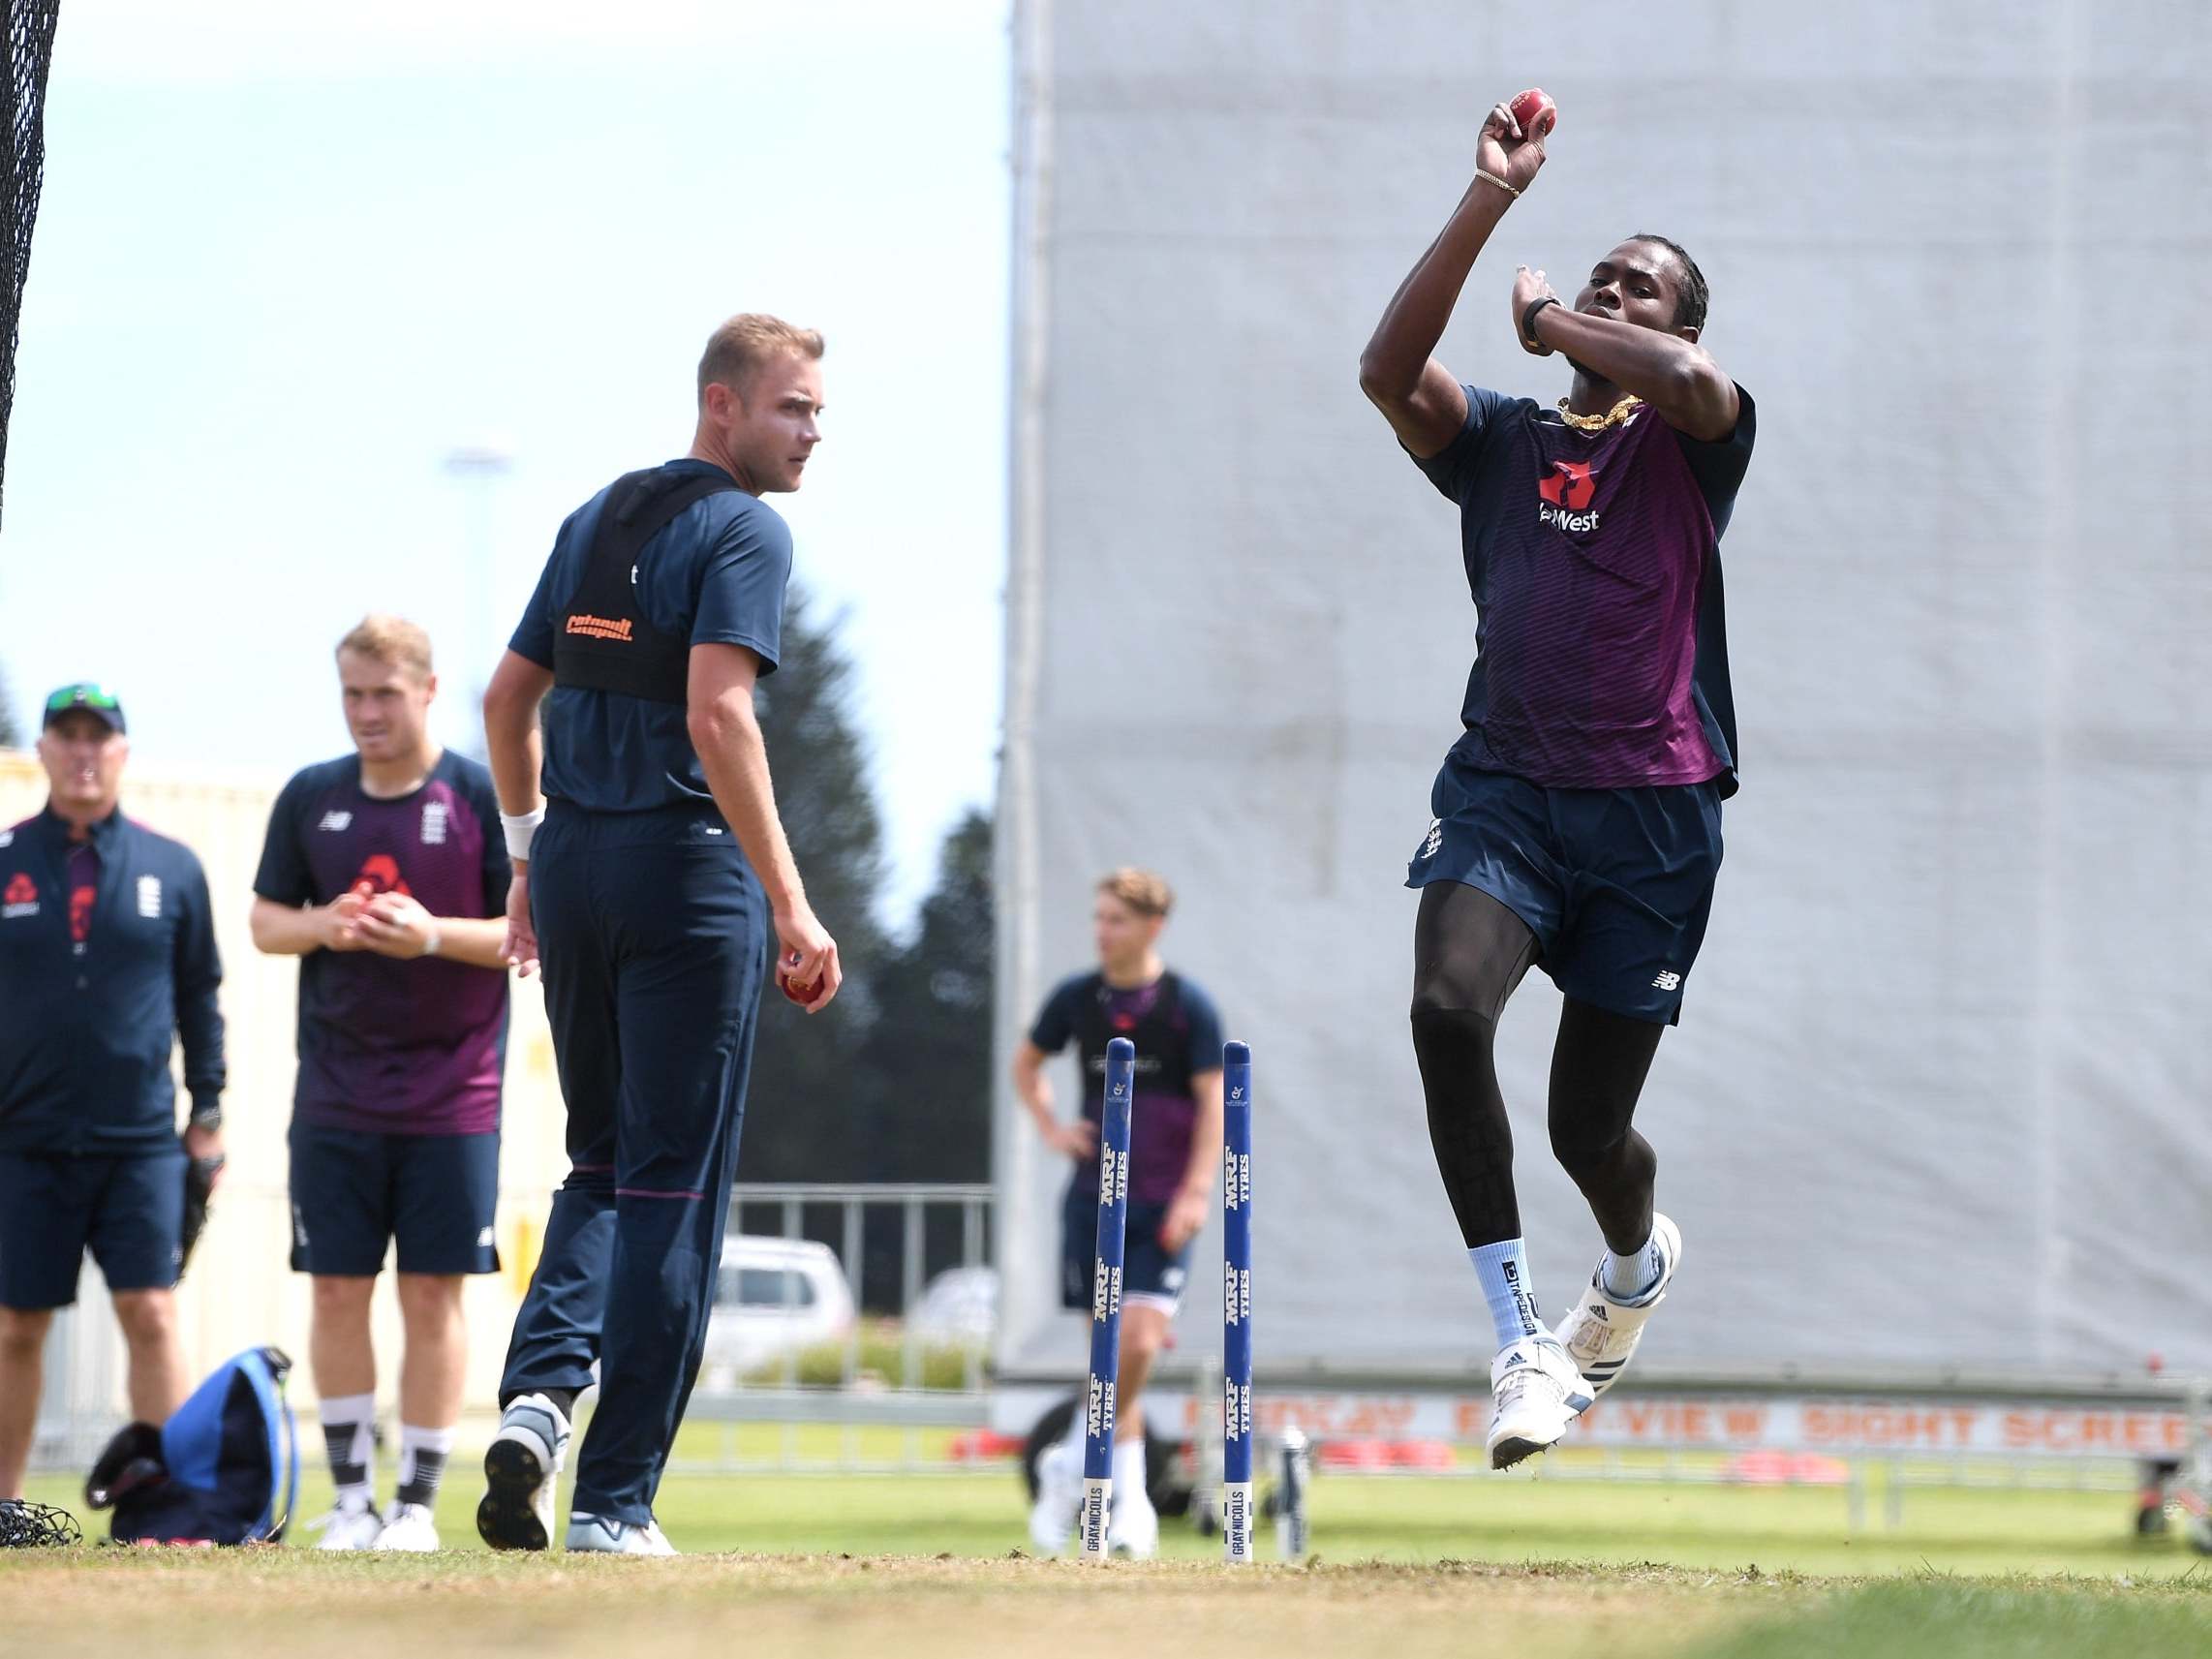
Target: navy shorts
353,1193
1150,1272
1615,883
127,1209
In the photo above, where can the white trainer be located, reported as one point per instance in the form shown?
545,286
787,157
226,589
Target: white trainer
351,1524
598,1534
1538,1392
1059,1494
1600,1333
408,1526
522,1467
1134,1529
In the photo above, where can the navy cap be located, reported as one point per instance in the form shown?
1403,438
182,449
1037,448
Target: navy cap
89,696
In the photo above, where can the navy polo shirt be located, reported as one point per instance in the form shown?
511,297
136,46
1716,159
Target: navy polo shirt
715,575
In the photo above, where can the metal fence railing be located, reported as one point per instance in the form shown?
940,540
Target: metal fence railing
883,1379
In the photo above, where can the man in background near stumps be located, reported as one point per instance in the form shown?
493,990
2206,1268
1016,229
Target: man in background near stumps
1174,1146
384,871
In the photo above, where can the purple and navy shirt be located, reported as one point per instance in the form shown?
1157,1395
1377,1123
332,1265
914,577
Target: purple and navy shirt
1177,1031
1601,646
402,1047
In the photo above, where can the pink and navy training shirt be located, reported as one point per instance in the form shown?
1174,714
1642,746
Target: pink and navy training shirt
404,1047
1601,647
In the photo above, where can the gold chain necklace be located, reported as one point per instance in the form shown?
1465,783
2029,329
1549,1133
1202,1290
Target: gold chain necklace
1628,404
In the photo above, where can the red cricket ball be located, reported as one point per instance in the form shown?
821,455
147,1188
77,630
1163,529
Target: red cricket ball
796,992
1536,112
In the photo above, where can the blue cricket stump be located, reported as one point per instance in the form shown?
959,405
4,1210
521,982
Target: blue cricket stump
1106,1300
1237,1303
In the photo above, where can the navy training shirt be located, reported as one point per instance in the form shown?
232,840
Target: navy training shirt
1177,1033
714,576
415,1046
97,991
1601,655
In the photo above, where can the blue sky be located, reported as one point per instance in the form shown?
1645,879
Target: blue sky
289,259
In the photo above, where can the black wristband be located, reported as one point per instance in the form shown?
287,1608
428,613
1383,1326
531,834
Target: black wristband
1528,316
206,1114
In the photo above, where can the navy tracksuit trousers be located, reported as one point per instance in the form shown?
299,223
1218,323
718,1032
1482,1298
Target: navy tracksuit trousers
653,936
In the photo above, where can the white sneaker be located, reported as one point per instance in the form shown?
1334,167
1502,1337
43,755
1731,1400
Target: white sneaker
596,1533
351,1524
522,1467
408,1526
1600,1333
1134,1529
1538,1393
1059,1494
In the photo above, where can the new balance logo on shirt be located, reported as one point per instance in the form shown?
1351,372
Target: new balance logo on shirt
1666,980
336,823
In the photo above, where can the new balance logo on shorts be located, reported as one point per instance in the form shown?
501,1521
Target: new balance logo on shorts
1435,841
1666,980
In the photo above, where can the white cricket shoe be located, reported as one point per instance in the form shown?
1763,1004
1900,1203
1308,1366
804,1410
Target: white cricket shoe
351,1524
1133,1529
408,1526
1060,1496
522,1467
1600,1333
598,1534
1538,1392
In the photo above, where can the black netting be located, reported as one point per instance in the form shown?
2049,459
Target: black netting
30,51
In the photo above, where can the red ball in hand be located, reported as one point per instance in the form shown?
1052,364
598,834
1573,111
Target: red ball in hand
801,993
1536,112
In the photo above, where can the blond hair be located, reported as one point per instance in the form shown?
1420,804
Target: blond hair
748,343
391,640
1141,890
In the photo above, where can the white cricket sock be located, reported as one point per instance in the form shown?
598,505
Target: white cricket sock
1503,1270
1129,1468
350,1435
1624,1279
422,1454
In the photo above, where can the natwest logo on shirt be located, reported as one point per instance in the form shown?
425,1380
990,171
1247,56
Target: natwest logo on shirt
1566,493
21,899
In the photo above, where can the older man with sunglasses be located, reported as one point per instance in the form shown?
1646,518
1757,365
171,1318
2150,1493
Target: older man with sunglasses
106,959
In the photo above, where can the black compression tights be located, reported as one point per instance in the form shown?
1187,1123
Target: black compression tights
1469,952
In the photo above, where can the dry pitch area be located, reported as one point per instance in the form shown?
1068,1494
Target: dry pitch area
829,1606
245,1605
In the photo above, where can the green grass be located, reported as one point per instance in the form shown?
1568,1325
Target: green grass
1936,1620
1508,1519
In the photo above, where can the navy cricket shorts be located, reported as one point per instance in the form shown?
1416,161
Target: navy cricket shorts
127,1209
353,1193
1614,883
1149,1271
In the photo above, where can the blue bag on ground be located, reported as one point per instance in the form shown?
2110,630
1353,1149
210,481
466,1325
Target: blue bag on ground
225,1469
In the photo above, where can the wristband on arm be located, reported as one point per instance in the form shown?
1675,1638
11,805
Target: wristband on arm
521,830
1528,316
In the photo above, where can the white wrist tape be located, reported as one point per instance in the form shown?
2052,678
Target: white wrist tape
521,830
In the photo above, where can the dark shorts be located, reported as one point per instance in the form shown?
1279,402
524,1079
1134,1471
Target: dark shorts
1148,1270
128,1210
353,1193
1615,883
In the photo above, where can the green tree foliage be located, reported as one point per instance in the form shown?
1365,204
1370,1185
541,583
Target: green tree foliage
806,1086
932,1035
11,735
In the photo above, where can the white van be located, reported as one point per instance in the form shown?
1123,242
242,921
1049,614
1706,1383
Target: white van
773,1297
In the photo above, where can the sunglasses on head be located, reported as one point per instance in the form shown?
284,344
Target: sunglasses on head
81,697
